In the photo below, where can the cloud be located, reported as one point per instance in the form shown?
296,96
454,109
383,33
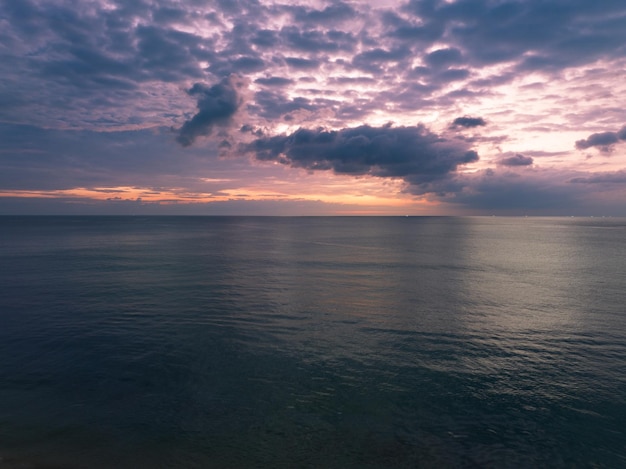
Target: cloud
401,28
452,74
302,64
265,38
515,160
375,60
119,66
273,104
616,177
52,159
533,35
274,81
412,153
468,122
604,141
444,57
217,104
167,53
331,14
539,192
317,41
246,64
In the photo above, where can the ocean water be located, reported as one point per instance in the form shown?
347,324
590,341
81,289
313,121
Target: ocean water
218,342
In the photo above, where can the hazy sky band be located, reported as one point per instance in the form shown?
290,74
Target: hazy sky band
451,107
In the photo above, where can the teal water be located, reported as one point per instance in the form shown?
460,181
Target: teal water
217,342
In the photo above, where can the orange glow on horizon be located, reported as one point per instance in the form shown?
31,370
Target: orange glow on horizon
371,203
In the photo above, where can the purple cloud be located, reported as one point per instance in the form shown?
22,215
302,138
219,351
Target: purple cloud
412,153
468,122
444,57
123,66
216,106
515,160
604,141
336,12
617,177
274,81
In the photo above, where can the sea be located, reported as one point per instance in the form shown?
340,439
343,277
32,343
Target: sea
312,342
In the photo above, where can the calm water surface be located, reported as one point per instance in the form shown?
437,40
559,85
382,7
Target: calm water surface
216,342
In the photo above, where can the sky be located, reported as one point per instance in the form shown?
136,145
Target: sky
263,107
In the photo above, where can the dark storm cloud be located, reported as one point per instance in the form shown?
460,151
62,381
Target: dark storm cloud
516,160
412,153
468,122
604,141
216,106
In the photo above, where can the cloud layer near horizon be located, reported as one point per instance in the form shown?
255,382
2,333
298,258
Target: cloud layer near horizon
453,104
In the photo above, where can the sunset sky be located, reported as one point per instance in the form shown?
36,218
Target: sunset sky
261,107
